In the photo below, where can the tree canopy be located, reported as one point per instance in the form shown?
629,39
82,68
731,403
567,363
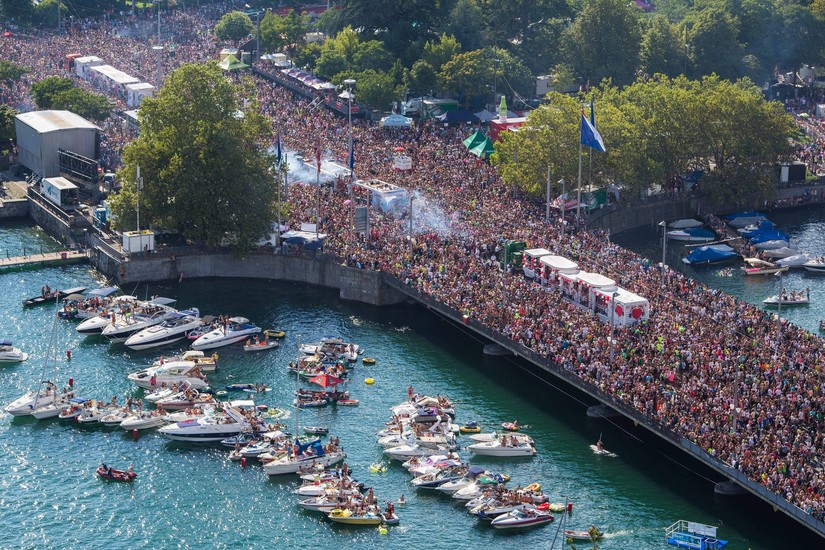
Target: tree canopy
203,162
234,27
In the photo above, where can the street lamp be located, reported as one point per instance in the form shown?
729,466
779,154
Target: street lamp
257,31
547,208
612,323
779,312
347,94
495,82
158,50
563,184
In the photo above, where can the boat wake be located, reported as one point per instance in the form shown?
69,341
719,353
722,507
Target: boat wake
617,534
405,328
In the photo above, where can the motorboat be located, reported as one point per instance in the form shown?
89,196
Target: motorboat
184,400
691,235
116,418
95,412
435,480
53,297
26,404
252,345
175,372
749,230
493,436
761,267
213,427
817,265
316,430
323,503
73,409
685,224
793,299
9,353
798,260
783,252
770,245
710,254
404,452
235,330
743,219
523,518
77,306
116,307
592,535
170,330
492,508
207,363
111,474
335,347
769,235
348,517
495,448
149,314
292,464
430,460
475,475
158,394
54,408
143,421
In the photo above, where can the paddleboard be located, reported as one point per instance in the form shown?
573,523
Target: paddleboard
602,452
253,390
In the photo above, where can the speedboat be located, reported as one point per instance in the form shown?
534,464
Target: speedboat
73,409
691,235
149,314
291,464
94,413
176,372
592,535
236,329
793,299
172,329
346,516
96,323
743,219
493,508
52,297
495,448
54,408
435,480
322,503
214,427
404,452
336,347
184,400
116,418
142,421
522,518
26,404
116,475
749,230
761,267
817,265
798,260
771,245
263,345
206,363
493,436
9,353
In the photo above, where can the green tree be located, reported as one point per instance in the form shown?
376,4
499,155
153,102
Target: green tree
468,74
377,89
20,11
45,13
437,53
466,23
7,131
328,22
204,168
713,44
603,42
513,77
86,104
372,55
307,56
330,64
9,72
234,27
663,48
44,91
421,78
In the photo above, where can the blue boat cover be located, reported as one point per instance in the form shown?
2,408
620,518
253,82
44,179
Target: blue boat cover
699,232
6,342
744,215
766,235
714,253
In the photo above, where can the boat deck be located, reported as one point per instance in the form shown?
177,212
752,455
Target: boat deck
62,257
695,542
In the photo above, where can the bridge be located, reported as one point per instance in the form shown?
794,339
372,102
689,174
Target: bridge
62,257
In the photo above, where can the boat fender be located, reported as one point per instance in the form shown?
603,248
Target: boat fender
369,381
570,507
135,434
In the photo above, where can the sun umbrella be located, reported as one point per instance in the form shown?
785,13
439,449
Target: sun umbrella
325,380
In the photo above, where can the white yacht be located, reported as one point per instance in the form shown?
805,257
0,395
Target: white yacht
174,372
174,328
235,330
98,322
336,347
26,404
292,465
150,313
495,448
9,353
54,408
214,427
143,420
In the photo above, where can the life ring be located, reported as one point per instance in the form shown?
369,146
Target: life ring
533,488
368,360
204,398
470,429
274,333
221,393
369,381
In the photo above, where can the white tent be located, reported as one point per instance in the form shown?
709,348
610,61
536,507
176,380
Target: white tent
396,121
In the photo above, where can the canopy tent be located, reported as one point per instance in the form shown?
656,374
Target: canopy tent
485,116
483,149
474,139
306,239
396,121
232,63
456,117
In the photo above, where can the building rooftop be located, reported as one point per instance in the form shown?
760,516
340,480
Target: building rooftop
52,121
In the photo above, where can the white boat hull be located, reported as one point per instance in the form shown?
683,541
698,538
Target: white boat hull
26,404
485,449
287,465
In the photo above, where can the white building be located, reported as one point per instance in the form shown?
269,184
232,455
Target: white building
40,134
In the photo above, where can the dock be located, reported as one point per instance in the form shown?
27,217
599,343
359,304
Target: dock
62,257
692,535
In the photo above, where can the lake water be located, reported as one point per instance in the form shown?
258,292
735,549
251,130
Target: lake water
192,496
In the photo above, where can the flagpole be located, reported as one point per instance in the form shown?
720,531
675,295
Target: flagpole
579,191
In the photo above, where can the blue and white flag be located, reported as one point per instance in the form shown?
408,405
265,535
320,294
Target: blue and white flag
590,136
278,149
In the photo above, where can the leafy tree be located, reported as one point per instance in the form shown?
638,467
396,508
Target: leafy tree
603,42
205,170
466,23
20,11
308,55
86,104
346,43
331,63
516,21
372,55
663,48
713,45
328,22
7,131
44,91
9,72
377,89
421,78
513,77
540,48
440,52
234,27
45,13
467,73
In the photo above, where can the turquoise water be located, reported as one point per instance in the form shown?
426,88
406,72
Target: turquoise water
191,496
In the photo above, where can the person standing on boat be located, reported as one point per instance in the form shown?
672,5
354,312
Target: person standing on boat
410,392
599,445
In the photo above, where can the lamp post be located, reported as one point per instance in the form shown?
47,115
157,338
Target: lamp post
612,325
348,95
663,225
412,197
547,208
563,184
257,31
495,81
779,313
138,186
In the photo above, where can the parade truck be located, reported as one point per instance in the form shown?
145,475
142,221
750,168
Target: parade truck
512,254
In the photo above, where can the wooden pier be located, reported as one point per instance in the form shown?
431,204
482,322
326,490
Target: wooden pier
62,257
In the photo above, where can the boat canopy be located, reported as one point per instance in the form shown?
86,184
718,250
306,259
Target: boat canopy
751,214
765,235
6,342
699,232
560,264
78,400
239,320
103,292
712,253
684,224
596,280
73,297
75,290
242,403
161,301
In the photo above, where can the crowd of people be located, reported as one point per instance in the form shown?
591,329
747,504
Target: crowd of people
706,366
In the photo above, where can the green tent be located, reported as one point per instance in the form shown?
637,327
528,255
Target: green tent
474,139
483,149
232,63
